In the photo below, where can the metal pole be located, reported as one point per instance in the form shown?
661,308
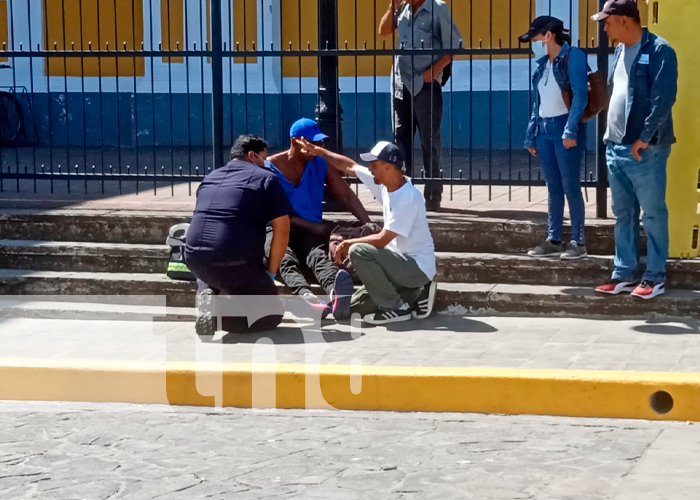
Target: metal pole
329,114
601,189
217,90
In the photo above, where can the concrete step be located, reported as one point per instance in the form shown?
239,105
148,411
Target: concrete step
461,298
520,269
452,232
453,267
83,256
43,307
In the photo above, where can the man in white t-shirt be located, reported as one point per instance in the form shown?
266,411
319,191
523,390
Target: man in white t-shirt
396,265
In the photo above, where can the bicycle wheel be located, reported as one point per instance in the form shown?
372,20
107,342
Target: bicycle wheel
11,118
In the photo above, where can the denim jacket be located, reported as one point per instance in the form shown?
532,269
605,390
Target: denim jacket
576,80
652,91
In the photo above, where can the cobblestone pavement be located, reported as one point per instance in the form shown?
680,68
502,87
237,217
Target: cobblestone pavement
90,451
442,340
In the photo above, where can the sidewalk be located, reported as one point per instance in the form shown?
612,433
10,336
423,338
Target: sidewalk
440,341
545,366
501,202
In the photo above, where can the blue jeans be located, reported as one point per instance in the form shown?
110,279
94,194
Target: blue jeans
562,171
636,184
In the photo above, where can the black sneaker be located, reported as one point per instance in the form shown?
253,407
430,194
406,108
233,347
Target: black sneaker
423,307
205,324
385,316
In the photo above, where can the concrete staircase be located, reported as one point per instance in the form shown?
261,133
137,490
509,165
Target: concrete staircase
481,267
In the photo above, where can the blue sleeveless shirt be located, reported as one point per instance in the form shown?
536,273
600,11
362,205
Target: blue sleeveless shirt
307,197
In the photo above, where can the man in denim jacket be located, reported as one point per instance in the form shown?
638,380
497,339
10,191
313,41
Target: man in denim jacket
643,83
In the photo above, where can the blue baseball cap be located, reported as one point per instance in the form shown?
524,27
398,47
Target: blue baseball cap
308,129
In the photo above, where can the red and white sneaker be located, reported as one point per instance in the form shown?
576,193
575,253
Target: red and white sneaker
648,290
615,287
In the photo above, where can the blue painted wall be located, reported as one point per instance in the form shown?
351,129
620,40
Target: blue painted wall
476,120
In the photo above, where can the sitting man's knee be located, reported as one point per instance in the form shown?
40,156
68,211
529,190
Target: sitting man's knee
360,251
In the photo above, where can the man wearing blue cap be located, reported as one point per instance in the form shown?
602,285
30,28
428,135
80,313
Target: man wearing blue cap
396,265
304,178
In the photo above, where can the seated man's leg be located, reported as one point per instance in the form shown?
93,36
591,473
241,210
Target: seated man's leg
290,267
362,303
335,281
313,250
387,276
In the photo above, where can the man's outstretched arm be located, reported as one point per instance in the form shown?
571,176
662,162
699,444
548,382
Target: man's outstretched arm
345,195
341,163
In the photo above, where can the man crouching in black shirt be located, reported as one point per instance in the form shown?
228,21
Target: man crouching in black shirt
225,246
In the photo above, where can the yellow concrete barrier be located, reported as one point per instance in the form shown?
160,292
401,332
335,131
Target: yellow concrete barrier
642,395
677,22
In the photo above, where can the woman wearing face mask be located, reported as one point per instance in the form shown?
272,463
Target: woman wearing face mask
555,132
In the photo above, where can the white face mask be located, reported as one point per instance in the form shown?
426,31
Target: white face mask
539,49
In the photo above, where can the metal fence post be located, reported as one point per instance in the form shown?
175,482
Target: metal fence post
217,90
601,189
329,114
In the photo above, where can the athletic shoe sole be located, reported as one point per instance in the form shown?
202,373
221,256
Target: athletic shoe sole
653,294
546,255
618,291
578,257
397,319
205,324
342,295
429,303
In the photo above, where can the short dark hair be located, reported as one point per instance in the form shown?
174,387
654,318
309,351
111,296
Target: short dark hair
637,19
245,144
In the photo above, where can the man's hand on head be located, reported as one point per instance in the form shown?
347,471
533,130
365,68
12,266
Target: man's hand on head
299,146
308,147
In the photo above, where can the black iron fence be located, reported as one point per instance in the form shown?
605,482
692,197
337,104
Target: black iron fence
103,96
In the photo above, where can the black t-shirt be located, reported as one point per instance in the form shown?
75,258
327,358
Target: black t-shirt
234,205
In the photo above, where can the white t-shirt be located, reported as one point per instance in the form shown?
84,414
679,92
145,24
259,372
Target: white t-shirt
551,101
404,214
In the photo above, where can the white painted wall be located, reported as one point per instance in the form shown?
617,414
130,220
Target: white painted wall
160,77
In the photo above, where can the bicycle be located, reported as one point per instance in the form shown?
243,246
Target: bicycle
11,116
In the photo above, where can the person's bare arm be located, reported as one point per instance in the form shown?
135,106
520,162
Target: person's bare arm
343,164
388,24
379,240
345,195
280,241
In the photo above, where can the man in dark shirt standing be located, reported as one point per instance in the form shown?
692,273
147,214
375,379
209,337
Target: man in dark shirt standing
417,80
225,246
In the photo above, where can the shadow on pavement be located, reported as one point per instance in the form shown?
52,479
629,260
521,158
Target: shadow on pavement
443,323
290,335
669,327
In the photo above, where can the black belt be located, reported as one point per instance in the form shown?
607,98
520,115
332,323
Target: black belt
232,263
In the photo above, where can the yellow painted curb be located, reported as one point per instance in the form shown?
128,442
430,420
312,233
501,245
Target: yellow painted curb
577,393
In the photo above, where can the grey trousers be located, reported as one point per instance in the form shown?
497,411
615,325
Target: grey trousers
388,279
423,112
